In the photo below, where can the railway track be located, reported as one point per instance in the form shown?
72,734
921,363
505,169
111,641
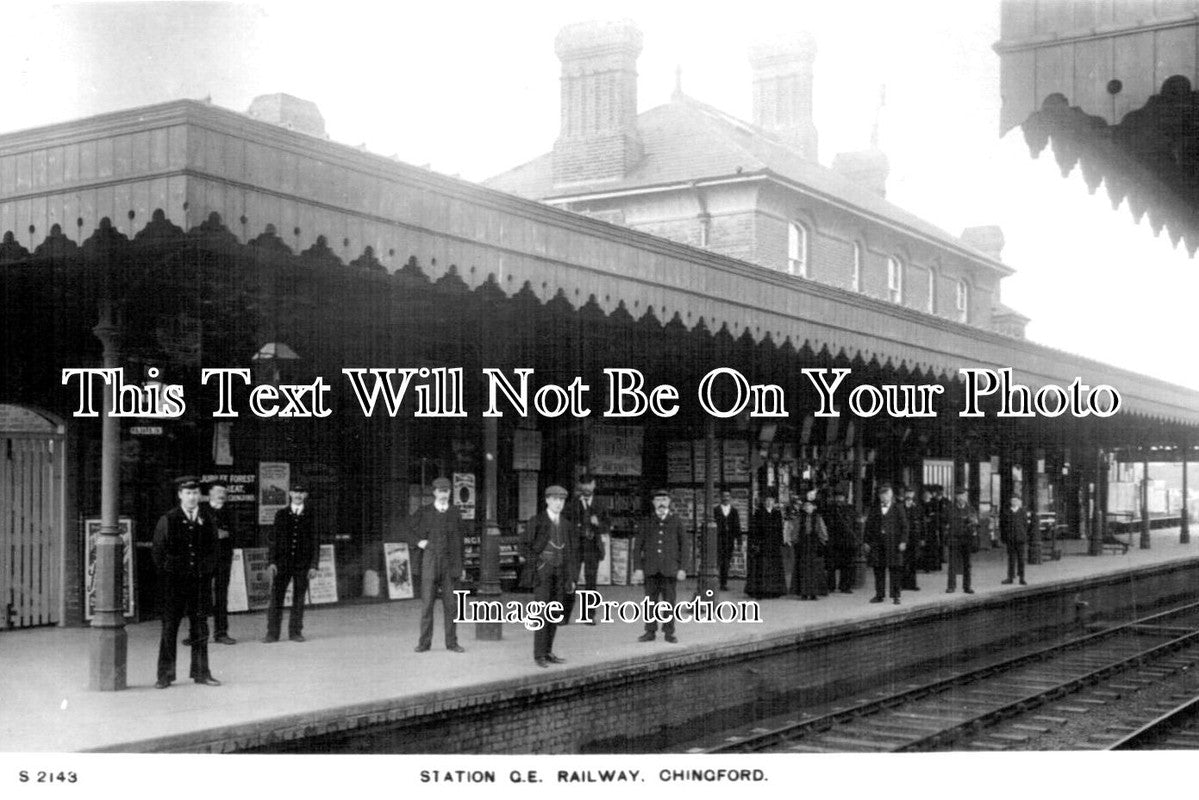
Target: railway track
1033,692
1175,729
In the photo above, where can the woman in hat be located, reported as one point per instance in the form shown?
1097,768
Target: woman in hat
764,567
811,536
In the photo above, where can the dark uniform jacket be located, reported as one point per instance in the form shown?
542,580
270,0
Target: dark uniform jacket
443,530
1014,525
919,522
545,555
295,547
222,519
183,549
884,533
659,548
590,537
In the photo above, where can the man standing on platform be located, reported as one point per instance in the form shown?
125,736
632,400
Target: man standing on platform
436,531
658,556
886,539
961,533
916,533
591,525
184,557
555,553
728,531
842,524
225,542
294,558
1014,524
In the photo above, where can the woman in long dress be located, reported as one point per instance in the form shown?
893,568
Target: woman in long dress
811,536
764,568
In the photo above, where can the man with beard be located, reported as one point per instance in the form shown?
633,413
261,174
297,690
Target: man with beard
886,539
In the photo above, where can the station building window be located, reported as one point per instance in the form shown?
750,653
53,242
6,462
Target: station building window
963,301
894,280
797,250
855,281
931,305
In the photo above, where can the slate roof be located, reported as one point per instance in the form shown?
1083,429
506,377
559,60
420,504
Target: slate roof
686,140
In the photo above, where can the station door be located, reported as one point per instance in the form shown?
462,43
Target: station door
31,518
939,471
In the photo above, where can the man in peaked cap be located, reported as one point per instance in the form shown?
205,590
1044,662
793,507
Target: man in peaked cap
436,532
555,551
658,557
185,556
294,558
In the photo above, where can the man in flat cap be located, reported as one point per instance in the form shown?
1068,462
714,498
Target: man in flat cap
886,538
658,557
184,557
295,555
555,552
436,531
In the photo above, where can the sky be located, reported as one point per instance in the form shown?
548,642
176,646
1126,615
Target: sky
471,89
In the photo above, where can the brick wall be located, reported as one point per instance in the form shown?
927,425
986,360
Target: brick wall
644,704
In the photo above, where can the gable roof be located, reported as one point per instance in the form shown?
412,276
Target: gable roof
686,140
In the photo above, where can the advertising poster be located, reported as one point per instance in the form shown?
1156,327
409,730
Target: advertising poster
399,570
678,462
527,495
323,588
464,494
526,450
92,529
616,450
258,580
273,479
619,552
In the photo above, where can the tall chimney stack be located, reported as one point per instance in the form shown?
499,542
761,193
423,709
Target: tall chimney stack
599,140
782,79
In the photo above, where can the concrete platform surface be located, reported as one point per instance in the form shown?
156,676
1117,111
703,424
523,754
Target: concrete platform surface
363,653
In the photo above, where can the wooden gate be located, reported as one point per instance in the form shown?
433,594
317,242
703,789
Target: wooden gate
31,518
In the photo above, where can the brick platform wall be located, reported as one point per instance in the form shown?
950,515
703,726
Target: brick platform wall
641,705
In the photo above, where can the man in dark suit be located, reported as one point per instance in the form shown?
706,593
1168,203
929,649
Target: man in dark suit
295,555
591,525
1014,525
728,531
886,539
916,539
658,556
225,542
842,525
961,534
436,531
184,556
555,551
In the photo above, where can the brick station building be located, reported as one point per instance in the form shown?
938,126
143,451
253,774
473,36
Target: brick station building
218,237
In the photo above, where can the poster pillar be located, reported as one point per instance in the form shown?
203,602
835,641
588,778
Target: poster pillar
1145,500
708,585
489,546
109,645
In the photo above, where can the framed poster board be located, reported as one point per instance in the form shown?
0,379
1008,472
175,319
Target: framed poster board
399,570
274,478
91,528
258,580
238,600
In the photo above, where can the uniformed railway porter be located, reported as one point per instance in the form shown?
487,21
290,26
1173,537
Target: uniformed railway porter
295,555
184,556
659,559
435,531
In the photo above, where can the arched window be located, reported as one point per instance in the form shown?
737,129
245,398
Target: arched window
797,250
963,302
894,279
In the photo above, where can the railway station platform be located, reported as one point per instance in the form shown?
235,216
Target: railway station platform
357,686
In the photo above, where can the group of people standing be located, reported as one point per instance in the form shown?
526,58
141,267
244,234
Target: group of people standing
899,539
193,556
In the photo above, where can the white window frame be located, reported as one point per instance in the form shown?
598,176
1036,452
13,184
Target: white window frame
932,291
963,301
894,279
855,281
797,249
